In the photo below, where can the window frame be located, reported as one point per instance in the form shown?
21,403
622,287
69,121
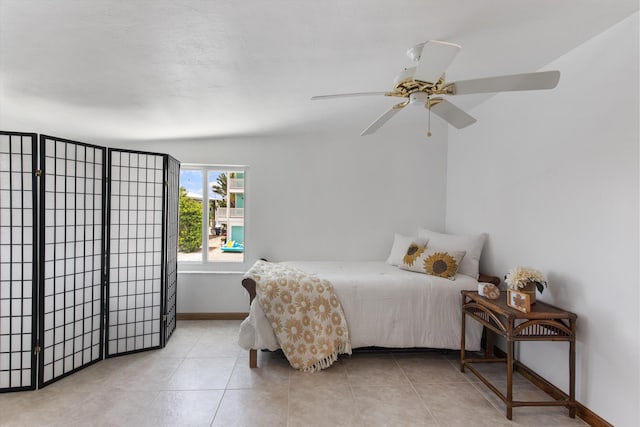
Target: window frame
205,264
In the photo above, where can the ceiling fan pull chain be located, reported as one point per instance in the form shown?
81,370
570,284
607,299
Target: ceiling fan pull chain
429,123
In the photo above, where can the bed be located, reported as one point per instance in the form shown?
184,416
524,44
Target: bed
387,306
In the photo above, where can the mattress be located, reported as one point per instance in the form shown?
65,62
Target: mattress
384,307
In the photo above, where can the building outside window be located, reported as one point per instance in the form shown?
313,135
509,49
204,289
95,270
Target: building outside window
211,224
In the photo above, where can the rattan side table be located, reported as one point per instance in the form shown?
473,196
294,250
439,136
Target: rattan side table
543,323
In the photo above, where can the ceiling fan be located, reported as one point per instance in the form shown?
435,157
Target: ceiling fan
424,84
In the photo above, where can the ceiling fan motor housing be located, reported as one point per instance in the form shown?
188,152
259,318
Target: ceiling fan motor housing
424,85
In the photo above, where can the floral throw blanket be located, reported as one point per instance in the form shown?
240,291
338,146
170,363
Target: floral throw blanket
305,314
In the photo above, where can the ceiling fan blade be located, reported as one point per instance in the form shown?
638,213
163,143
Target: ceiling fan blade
386,116
527,81
346,95
434,60
451,113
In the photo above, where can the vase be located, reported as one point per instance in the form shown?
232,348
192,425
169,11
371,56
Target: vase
530,289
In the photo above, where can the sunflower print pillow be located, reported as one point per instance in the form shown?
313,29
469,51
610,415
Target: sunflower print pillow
432,261
413,252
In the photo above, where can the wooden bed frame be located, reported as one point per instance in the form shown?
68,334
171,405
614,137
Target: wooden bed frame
250,285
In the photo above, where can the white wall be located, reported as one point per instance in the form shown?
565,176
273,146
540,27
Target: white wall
331,196
552,176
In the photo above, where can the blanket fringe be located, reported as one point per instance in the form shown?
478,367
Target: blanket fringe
324,363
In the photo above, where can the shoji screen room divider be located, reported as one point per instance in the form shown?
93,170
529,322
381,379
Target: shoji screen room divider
88,255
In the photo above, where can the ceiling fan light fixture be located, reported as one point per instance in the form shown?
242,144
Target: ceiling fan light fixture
418,99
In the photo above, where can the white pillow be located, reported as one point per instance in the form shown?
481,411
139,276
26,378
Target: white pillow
433,261
399,248
471,244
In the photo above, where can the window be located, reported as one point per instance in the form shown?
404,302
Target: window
211,214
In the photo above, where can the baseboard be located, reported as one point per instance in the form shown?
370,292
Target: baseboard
586,414
211,316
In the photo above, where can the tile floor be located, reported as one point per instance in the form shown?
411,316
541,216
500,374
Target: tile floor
202,378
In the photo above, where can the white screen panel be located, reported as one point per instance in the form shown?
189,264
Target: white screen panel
171,220
135,252
72,262
17,258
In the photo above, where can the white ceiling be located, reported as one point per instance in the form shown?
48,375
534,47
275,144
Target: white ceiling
163,69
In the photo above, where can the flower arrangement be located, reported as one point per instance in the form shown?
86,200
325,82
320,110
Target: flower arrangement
520,277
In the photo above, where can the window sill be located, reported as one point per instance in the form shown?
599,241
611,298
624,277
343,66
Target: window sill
210,272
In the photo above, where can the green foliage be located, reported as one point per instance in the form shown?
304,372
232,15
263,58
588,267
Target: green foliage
220,188
190,223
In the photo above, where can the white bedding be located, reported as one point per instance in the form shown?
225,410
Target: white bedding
384,307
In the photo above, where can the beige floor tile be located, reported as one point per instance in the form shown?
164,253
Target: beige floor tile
148,373
335,376
253,407
215,346
202,374
323,405
392,406
13,406
459,404
40,407
179,345
48,407
93,378
186,408
124,408
220,327
429,368
374,370
270,373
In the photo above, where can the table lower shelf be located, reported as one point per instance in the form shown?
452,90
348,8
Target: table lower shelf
534,378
